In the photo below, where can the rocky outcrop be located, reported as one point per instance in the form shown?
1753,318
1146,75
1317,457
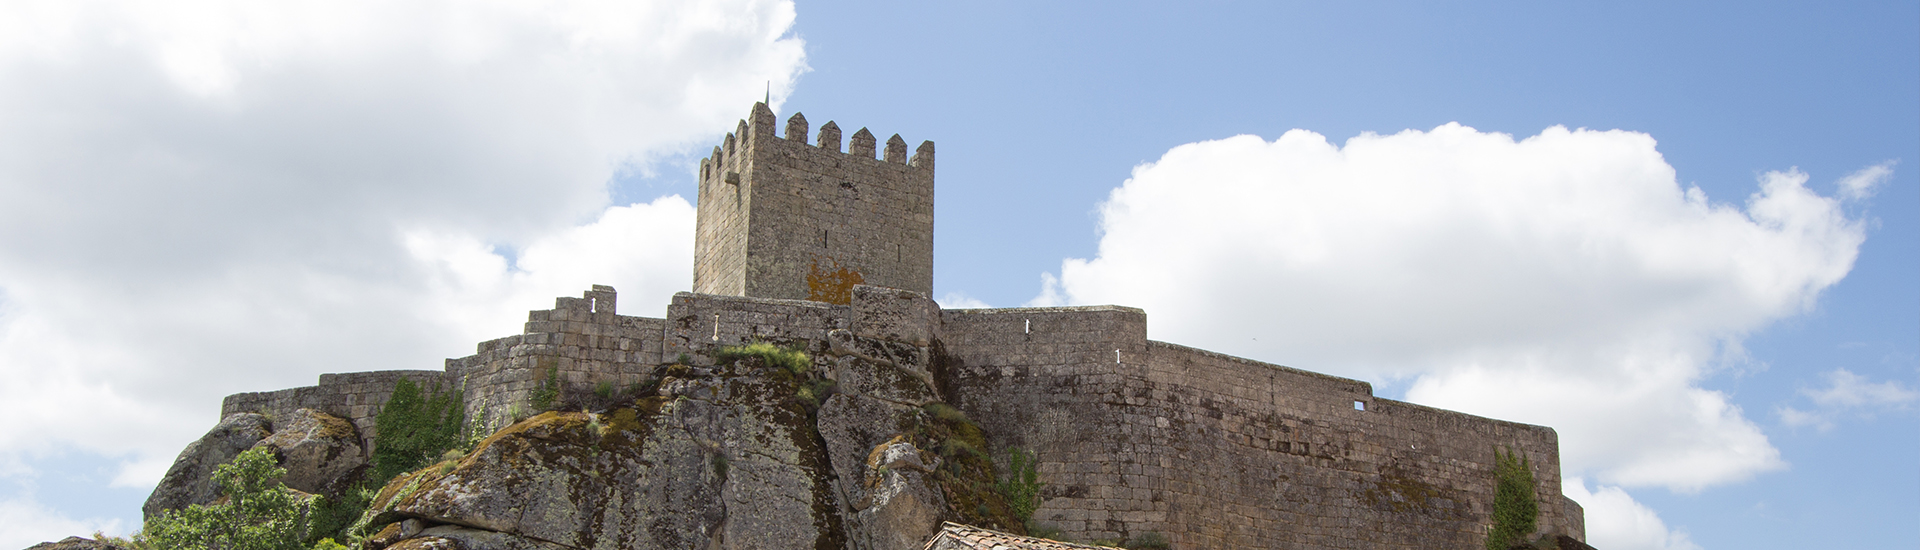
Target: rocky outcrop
903,504
190,480
316,448
720,458
731,456
77,543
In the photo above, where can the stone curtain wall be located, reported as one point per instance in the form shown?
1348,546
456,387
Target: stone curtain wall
1048,380
584,338
774,211
1275,457
1131,435
355,396
1215,451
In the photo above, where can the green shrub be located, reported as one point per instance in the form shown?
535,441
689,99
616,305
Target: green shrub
793,360
1514,509
1022,486
260,512
604,390
328,544
332,515
413,429
548,392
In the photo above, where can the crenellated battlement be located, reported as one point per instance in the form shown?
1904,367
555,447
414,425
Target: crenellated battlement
788,216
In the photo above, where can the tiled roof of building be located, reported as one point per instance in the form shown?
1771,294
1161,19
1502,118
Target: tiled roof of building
954,536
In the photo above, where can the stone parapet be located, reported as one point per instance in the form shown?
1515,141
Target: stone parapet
355,396
583,342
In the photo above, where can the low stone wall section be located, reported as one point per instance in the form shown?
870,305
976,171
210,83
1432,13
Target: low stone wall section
697,323
355,396
584,340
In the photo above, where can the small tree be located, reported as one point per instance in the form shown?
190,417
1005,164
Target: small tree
260,512
413,429
1514,509
1022,486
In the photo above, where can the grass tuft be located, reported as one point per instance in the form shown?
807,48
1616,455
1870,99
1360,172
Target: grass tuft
793,360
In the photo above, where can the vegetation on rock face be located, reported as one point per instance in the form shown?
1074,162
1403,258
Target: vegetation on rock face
965,475
794,360
413,429
1022,486
548,392
260,513
1514,509
331,515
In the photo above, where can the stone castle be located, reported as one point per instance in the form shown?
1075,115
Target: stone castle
798,241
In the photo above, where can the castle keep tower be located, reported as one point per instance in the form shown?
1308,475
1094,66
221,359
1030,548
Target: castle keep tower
782,218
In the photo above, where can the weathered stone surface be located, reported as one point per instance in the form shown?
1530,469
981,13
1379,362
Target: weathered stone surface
881,369
884,477
727,460
895,315
316,448
190,479
77,543
904,506
851,426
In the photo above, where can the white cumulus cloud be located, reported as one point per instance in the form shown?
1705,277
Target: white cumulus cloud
1566,279
1847,392
205,197
958,300
25,523
1616,521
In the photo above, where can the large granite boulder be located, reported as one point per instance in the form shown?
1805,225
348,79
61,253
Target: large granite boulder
904,506
721,458
190,479
869,430
316,448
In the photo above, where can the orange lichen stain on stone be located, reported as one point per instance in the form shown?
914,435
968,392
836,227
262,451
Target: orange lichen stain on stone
832,284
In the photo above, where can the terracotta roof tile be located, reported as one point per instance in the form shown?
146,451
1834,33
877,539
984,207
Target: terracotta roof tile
954,536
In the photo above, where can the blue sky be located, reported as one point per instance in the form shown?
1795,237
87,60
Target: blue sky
211,199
